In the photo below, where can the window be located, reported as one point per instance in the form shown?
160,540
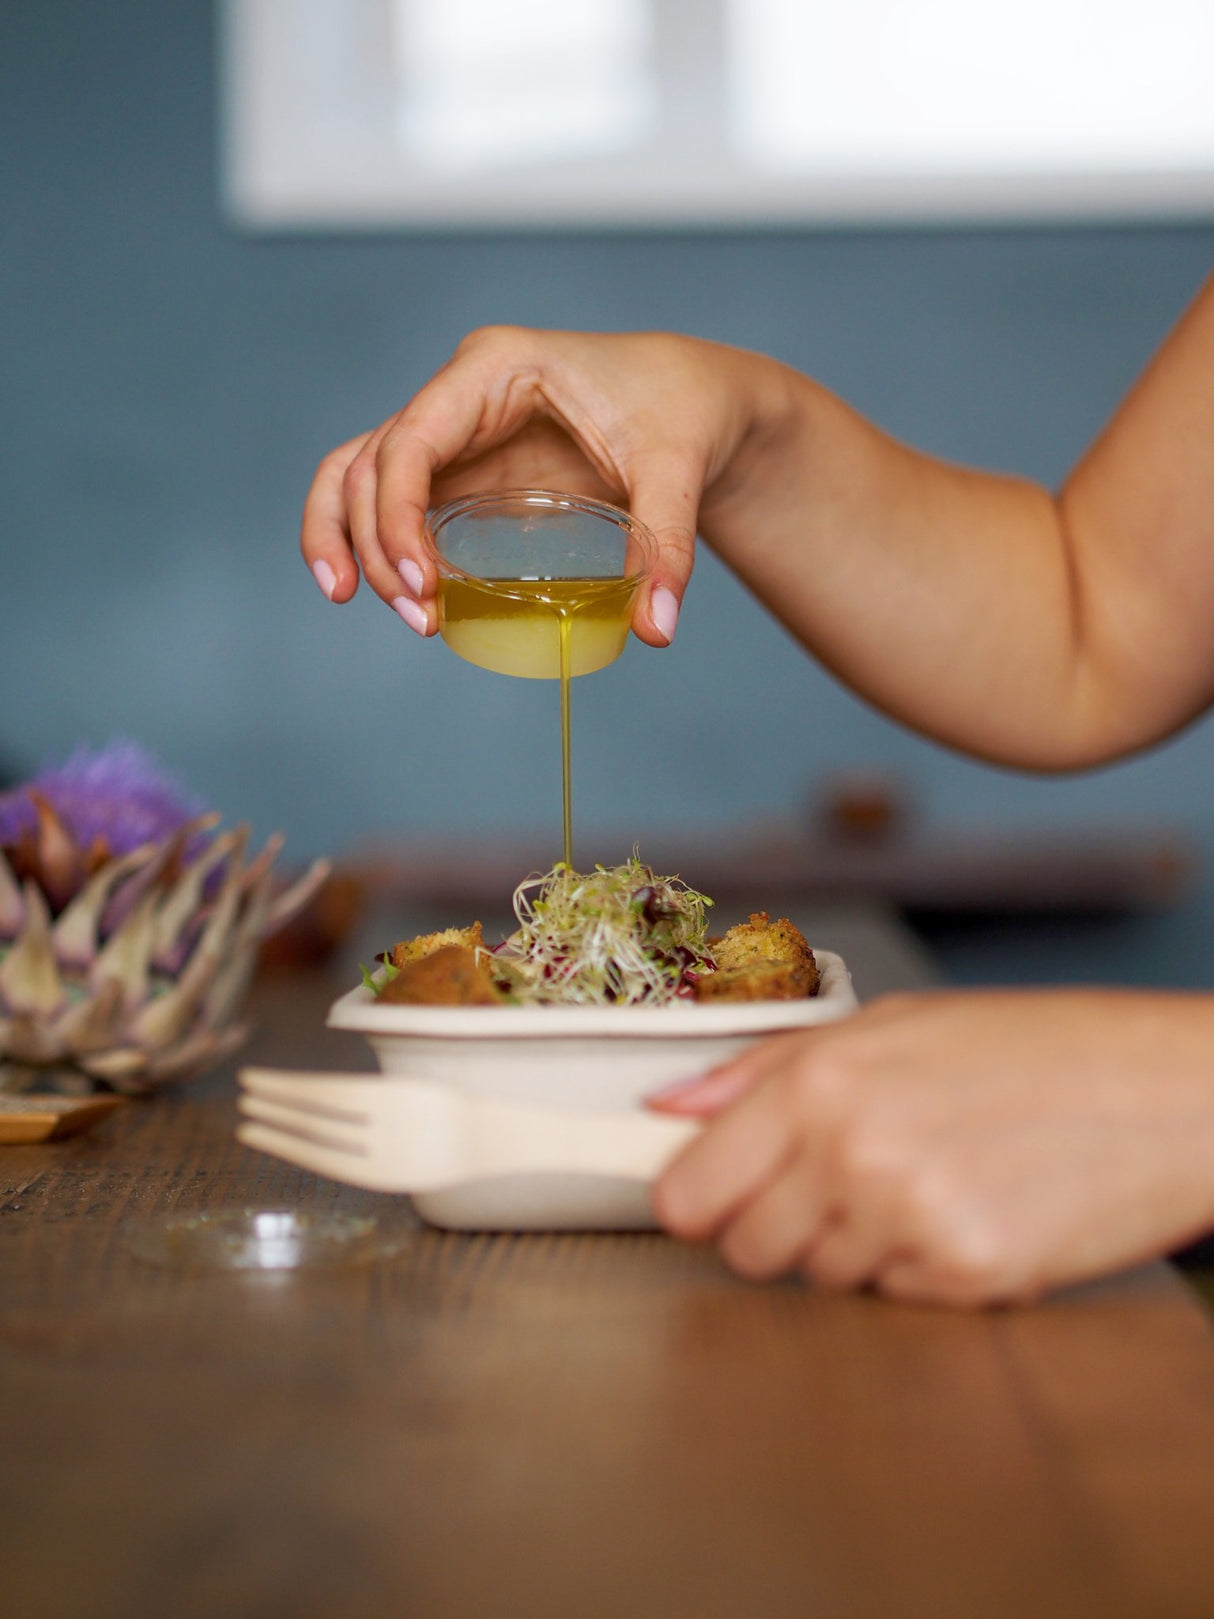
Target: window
387,113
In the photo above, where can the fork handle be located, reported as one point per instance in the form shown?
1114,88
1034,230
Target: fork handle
520,1138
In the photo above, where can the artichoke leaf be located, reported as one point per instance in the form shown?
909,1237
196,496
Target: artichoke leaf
60,858
264,911
293,899
132,1069
164,1017
119,1066
91,1024
203,1049
259,867
76,930
126,955
32,1039
233,977
181,905
126,897
12,910
29,977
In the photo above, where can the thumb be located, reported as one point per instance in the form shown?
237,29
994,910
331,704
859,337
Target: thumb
664,495
706,1094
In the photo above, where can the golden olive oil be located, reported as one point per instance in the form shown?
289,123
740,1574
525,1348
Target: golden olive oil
539,629
513,625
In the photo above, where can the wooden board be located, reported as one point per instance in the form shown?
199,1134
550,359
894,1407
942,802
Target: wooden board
33,1116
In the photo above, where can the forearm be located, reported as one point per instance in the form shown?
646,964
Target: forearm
940,594
1042,632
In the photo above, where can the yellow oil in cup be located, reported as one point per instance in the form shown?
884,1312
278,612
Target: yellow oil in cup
539,585
518,626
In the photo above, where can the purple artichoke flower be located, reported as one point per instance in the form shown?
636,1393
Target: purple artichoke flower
116,797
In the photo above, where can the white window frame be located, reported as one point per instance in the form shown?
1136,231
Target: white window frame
308,143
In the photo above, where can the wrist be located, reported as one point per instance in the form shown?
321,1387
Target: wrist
775,411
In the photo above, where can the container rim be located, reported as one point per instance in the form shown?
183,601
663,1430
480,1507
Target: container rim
438,517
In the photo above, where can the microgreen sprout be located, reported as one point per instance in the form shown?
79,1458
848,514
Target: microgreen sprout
384,973
616,935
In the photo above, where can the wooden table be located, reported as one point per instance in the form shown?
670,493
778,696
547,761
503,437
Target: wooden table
558,1425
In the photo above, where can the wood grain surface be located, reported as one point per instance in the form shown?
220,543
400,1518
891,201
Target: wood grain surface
555,1425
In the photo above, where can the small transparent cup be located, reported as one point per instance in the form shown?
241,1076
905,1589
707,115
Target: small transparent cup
528,576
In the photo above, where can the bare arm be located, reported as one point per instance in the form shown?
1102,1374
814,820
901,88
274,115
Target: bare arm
1036,631
1047,632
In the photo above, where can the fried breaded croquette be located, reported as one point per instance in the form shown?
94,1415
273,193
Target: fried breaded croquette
758,981
760,960
760,939
472,938
450,975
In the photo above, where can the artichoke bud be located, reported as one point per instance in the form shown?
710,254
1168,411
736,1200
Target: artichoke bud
129,925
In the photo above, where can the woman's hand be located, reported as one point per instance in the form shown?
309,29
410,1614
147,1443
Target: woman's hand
647,421
957,1148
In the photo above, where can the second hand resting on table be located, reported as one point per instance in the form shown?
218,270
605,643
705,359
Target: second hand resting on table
955,1147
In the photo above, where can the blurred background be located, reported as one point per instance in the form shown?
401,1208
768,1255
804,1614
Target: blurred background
175,365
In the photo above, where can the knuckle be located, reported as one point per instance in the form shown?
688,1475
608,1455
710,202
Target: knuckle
867,1155
330,467
828,1074
929,1203
834,1271
359,476
678,541
973,1268
963,1245
744,1257
673,1210
492,338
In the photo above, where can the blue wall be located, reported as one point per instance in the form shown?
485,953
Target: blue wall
169,385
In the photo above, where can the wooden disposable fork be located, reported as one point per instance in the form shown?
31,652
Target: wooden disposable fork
403,1135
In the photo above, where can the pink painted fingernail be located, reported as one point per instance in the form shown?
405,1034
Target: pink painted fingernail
664,611
413,614
702,1096
325,577
680,1088
412,575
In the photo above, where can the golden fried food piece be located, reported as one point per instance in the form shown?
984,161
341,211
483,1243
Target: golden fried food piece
760,981
472,938
761,939
451,975
760,960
